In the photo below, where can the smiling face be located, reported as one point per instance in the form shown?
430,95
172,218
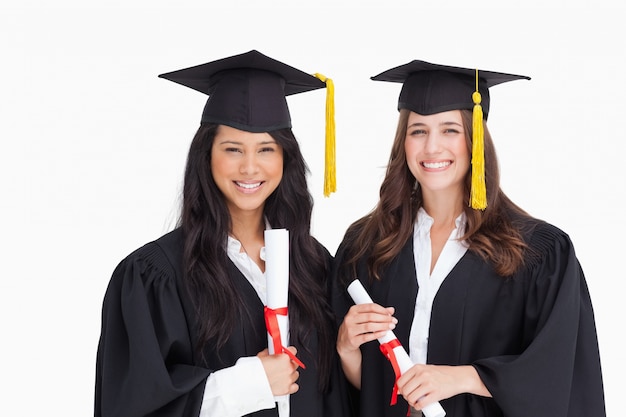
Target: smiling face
247,167
437,152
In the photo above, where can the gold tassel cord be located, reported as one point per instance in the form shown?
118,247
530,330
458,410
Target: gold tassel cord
478,193
330,180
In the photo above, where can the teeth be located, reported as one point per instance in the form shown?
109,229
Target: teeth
436,164
248,186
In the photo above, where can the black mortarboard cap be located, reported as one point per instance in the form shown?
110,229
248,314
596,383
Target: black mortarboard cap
246,91
432,88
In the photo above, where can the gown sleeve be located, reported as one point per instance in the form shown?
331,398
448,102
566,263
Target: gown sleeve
558,373
144,363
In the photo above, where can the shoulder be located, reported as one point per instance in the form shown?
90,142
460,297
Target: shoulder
159,258
541,235
171,245
320,248
352,235
548,245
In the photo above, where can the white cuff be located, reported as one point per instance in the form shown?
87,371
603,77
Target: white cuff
238,390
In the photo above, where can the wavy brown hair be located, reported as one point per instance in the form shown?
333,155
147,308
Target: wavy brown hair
494,234
206,222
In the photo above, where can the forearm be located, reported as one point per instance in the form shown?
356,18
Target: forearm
470,381
351,365
423,384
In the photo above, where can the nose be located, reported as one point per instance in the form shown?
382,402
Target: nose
249,164
432,144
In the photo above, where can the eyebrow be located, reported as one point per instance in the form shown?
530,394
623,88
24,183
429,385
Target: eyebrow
236,142
440,124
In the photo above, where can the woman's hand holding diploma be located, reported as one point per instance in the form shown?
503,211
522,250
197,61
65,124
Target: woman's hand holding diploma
356,330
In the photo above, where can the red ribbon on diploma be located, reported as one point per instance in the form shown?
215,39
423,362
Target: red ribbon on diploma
271,323
387,350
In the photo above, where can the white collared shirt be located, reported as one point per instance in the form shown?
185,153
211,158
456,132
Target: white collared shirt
428,283
242,388
248,267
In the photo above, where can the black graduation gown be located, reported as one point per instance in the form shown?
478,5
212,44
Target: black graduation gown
146,364
532,338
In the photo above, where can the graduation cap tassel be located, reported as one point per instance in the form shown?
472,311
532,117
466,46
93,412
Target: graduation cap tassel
330,181
478,193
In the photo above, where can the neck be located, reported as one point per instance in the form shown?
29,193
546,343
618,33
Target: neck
247,227
251,237
444,213
444,208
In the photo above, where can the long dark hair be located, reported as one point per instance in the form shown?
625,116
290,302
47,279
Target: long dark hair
206,222
494,233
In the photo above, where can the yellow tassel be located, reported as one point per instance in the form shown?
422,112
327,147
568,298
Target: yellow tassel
330,180
478,193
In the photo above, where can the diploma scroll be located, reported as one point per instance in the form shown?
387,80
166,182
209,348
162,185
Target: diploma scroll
393,347
277,287
277,275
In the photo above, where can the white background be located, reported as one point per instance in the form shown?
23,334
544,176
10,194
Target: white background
93,144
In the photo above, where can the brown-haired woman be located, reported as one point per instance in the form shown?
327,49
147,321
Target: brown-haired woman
490,303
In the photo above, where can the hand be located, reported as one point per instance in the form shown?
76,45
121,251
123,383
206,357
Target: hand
422,385
363,323
282,373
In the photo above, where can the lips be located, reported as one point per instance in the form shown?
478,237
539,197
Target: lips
248,185
436,165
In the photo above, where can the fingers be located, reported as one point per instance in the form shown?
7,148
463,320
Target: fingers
370,318
292,349
365,322
282,372
371,308
414,392
422,385
410,386
294,388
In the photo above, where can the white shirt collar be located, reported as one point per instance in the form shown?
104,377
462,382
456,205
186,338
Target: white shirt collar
425,222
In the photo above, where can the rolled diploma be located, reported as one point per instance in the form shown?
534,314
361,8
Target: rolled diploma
360,296
277,287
